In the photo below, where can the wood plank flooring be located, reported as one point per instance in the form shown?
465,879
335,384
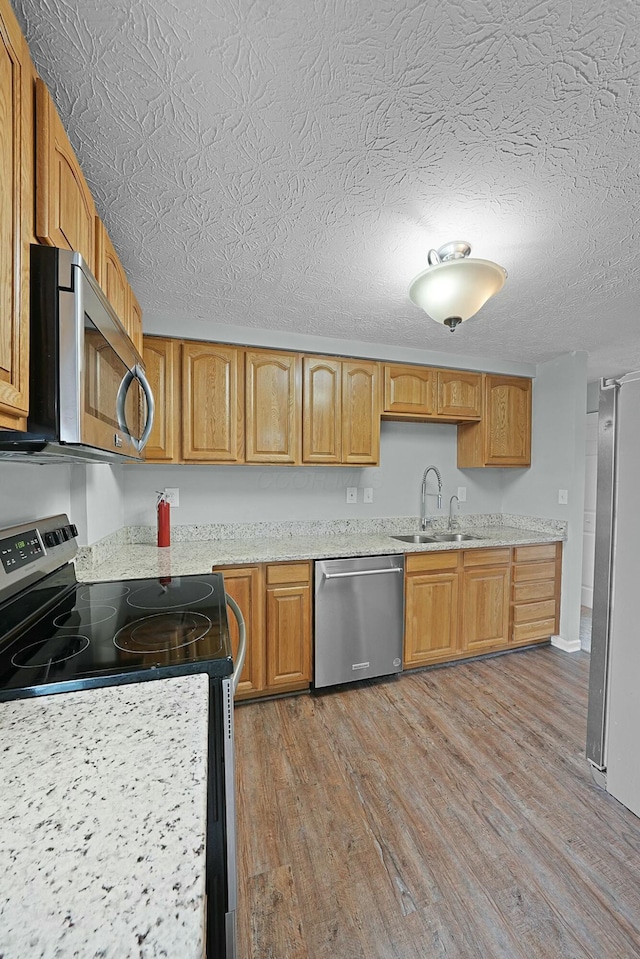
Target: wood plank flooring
445,814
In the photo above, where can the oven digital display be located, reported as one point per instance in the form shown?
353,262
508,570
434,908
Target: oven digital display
18,552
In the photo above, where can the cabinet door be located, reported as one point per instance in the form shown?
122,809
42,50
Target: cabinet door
65,212
485,608
135,322
288,629
321,410
360,413
245,585
507,421
16,173
212,413
273,421
459,394
409,390
161,366
111,276
431,617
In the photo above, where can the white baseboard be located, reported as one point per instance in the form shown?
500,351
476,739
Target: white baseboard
566,645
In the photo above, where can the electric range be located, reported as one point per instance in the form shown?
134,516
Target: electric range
58,635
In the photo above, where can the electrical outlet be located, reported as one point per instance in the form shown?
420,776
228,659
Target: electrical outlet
563,496
462,494
172,496
352,494
368,494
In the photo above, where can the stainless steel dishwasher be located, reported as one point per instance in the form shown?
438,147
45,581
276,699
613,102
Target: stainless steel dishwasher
359,613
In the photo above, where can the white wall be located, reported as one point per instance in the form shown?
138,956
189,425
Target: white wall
210,494
29,491
557,457
97,500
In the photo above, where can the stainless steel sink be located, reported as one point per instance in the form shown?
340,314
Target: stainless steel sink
415,538
451,537
434,538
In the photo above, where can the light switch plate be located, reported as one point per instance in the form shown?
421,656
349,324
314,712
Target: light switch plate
462,494
563,496
368,494
352,494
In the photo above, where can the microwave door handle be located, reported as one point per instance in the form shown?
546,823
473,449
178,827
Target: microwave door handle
137,373
151,407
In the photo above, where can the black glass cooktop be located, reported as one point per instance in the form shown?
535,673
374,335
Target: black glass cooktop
62,635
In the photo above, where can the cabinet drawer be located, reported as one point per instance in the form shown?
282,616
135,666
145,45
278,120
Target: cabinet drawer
423,562
528,612
288,573
487,557
531,592
532,572
542,629
534,554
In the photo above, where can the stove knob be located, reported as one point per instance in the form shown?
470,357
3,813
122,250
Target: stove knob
73,529
50,539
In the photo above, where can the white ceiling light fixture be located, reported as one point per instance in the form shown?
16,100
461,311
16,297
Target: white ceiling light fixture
455,286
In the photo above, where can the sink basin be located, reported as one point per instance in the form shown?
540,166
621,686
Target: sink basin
415,538
434,538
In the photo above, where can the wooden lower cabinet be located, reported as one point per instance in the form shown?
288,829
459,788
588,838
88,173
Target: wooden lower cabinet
485,607
431,607
275,600
461,603
535,593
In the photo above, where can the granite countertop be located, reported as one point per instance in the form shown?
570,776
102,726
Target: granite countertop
197,557
103,822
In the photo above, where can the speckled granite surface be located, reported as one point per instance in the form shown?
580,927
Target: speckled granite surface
312,541
102,822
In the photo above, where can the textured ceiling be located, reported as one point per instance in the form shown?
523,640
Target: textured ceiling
287,165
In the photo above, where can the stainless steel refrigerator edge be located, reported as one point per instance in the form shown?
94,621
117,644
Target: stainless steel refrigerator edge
359,614
614,705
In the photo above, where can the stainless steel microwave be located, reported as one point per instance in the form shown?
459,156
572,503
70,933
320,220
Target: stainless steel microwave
89,399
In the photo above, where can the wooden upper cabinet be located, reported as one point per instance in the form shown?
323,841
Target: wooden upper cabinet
321,409
16,217
273,413
503,437
212,408
135,322
427,393
459,394
111,276
360,413
409,390
161,363
65,212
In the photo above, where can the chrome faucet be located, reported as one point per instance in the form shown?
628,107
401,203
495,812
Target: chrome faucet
454,497
424,521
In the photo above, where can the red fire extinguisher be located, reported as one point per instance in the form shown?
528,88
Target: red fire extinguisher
164,515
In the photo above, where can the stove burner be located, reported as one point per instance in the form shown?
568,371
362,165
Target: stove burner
104,591
162,632
52,651
173,596
73,619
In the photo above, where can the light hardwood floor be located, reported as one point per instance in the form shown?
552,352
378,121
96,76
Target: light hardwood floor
445,814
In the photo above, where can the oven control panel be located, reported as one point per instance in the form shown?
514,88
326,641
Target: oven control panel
17,551
31,550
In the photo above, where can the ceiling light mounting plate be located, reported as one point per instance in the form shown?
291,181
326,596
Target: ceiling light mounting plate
456,250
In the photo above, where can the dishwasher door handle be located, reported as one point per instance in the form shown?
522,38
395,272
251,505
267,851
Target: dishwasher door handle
363,572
